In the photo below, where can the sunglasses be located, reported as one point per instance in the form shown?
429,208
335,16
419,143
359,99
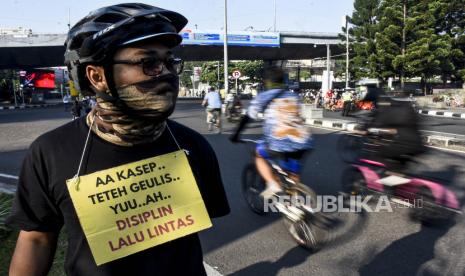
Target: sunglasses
153,66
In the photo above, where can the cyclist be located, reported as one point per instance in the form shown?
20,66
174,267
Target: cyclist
286,137
212,101
395,121
233,105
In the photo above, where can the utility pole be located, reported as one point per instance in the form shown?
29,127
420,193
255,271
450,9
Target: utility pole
218,76
69,19
402,70
328,67
226,84
274,25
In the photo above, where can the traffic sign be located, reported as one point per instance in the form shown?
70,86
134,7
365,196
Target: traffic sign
236,74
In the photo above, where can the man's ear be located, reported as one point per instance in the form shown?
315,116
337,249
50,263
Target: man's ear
95,75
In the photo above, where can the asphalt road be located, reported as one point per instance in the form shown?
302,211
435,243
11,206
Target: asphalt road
244,243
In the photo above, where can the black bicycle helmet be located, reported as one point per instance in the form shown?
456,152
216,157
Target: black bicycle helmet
95,38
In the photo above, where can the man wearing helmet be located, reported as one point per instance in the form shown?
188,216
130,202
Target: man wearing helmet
122,55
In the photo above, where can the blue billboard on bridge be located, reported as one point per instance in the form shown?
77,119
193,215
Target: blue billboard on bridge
251,39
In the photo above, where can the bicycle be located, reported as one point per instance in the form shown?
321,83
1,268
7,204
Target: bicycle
307,227
430,201
213,117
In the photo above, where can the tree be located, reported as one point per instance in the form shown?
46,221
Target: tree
428,53
363,31
450,21
7,81
186,75
212,75
251,69
389,41
408,38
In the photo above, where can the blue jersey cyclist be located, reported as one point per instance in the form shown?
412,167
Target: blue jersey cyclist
286,137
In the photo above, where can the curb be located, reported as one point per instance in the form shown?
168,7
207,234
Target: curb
441,113
27,106
431,140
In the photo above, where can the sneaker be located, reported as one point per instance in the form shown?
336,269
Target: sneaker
271,191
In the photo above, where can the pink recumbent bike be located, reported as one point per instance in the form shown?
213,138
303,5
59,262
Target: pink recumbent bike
428,199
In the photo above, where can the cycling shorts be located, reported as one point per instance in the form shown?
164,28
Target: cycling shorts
209,109
288,161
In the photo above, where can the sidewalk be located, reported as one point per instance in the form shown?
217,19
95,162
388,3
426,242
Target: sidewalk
455,142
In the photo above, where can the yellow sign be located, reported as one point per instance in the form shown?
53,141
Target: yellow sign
129,208
72,89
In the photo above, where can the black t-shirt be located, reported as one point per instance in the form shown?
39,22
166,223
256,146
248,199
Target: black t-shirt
402,117
42,202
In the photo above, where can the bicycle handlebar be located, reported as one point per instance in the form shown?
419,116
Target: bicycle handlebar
249,141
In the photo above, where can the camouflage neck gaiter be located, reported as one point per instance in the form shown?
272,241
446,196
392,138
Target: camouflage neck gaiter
152,101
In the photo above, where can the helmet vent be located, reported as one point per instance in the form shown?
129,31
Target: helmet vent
110,18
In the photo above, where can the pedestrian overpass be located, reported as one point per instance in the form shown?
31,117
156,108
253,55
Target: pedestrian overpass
47,50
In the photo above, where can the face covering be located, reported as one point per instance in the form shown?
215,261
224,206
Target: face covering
149,103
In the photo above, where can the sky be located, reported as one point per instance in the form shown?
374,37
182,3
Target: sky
51,16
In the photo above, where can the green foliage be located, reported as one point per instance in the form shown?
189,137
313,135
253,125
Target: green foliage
428,53
186,75
252,69
5,207
434,39
363,31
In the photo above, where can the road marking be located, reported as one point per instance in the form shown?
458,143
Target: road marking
9,176
210,270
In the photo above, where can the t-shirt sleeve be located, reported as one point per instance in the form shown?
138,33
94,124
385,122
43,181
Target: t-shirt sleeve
211,186
33,207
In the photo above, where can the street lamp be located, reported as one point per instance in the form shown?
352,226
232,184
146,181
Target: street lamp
328,66
225,44
347,50
274,25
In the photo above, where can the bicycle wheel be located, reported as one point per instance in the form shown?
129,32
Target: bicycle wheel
349,147
428,213
311,231
252,186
